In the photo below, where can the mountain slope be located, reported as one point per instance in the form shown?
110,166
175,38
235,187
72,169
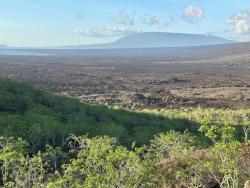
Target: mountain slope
169,40
159,39
30,113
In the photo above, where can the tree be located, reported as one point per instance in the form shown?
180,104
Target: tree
101,163
55,157
171,144
225,155
12,160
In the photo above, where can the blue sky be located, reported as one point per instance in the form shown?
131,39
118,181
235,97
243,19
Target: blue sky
66,22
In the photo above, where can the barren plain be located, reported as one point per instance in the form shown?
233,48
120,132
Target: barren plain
216,77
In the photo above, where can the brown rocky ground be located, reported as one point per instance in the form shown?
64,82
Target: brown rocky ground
139,82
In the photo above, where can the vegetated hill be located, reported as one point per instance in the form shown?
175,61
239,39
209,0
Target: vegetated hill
43,118
32,118
159,39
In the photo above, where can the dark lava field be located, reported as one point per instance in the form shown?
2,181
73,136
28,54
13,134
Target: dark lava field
217,76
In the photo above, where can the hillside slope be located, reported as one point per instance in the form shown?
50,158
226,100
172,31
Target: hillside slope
37,149
43,118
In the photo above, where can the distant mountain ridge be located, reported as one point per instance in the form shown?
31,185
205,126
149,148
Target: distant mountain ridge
158,39
147,40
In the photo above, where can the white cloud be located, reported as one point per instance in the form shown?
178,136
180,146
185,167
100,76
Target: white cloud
241,22
106,31
151,20
129,18
81,16
193,14
125,18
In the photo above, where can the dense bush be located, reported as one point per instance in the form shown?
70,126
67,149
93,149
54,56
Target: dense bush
43,118
170,159
42,144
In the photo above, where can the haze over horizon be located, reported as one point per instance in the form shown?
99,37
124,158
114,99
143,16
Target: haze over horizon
42,23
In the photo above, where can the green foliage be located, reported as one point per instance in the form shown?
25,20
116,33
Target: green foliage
55,157
171,144
18,169
222,166
43,118
12,158
227,157
41,144
225,163
223,132
100,162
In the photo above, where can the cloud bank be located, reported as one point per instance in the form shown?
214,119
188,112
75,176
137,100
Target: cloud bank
151,20
106,31
240,22
193,14
125,18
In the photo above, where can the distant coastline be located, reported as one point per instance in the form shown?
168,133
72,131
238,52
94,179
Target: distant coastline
14,52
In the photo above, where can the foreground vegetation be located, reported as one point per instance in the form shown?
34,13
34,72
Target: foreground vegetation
52,141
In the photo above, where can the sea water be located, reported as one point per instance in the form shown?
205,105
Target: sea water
21,53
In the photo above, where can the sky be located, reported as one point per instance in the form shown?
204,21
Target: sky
44,23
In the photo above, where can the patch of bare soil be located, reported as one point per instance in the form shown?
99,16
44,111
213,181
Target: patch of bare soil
137,82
